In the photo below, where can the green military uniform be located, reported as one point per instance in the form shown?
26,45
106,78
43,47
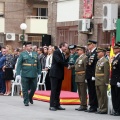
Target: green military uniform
72,59
101,81
28,67
80,68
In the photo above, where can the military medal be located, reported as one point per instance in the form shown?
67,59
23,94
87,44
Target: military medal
114,67
99,68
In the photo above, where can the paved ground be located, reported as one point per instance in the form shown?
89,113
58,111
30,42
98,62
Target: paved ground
12,108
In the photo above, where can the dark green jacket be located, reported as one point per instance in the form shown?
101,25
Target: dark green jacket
73,59
26,70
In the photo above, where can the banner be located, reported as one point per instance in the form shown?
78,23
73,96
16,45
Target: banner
88,9
118,31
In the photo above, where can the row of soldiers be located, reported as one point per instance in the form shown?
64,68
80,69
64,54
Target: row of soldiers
93,68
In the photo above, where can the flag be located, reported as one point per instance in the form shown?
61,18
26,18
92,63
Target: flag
111,57
112,52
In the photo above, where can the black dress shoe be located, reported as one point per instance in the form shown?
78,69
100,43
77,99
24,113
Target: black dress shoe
87,110
26,104
52,109
77,108
116,114
92,110
82,109
60,108
31,101
102,112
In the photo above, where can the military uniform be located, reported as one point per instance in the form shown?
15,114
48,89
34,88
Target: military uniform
101,82
72,60
90,74
115,78
80,68
28,67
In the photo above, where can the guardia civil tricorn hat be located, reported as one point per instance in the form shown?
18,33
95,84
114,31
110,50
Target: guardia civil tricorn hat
27,43
91,42
72,46
100,49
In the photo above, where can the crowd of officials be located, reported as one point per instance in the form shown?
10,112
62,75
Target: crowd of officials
90,67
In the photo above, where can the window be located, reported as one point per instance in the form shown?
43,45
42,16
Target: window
2,39
43,12
1,9
104,38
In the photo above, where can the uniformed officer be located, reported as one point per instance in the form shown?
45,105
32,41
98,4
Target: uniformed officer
102,80
72,60
80,68
107,55
28,69
90,75
115,80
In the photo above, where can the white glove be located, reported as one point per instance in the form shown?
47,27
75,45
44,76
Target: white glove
93,78
85,81
39,75
18,77
118,84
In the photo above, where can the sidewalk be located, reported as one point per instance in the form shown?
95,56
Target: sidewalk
12,108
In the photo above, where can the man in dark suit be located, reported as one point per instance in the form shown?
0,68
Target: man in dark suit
115,80
90,76
57,75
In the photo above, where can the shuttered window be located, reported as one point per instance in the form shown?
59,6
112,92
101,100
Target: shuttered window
1,9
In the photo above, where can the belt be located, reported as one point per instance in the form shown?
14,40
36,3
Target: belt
81,72
99,74
25,64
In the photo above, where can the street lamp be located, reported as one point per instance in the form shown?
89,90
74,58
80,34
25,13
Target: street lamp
23,27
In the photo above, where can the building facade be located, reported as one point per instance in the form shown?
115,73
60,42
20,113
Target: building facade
34,13
63,22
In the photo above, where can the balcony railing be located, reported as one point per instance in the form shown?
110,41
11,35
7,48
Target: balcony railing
37,24
37,17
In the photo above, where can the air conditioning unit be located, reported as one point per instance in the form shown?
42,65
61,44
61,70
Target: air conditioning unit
21,37
10,36
110,16
83,25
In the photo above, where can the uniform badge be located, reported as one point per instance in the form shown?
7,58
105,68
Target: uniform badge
80,62
115,62
114,67
99,68
35,60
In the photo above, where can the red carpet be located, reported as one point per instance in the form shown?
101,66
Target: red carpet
66,97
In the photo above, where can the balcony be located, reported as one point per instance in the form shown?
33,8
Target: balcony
2,25
36,24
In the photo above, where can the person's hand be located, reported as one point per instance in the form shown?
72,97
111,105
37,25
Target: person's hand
3,68
93,78
85,81
18,77
46,69
69,67
118,84
39,75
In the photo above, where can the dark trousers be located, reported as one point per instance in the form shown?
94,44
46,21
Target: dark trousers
74,85
28,84
55,92
115,92
92,94
2,83
47,81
